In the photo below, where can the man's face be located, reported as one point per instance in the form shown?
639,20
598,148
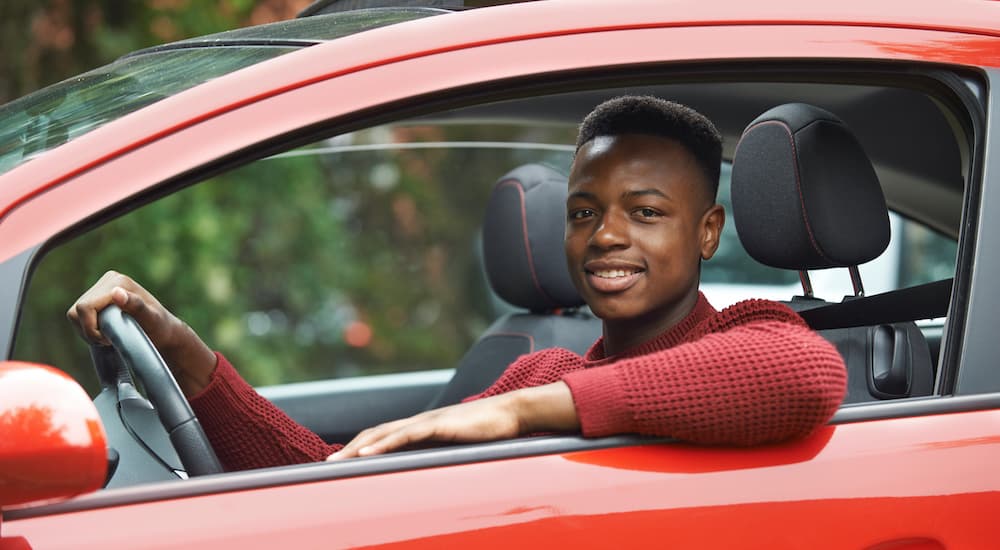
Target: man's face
639,220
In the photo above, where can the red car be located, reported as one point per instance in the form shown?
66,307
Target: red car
217,166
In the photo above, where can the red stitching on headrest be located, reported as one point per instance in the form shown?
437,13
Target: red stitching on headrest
527,244
798,185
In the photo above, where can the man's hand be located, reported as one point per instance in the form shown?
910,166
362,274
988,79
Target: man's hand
191,361
546,408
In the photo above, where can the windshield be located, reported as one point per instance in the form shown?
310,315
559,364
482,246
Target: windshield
59,113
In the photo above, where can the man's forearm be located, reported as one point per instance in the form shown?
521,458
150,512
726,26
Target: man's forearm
547,408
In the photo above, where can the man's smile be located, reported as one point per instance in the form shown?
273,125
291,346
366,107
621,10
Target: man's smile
612,276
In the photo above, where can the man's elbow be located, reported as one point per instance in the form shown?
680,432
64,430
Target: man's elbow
787,407
812,399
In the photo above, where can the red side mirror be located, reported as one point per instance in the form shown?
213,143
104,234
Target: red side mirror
52,443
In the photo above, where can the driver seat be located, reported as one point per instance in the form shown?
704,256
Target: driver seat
525,265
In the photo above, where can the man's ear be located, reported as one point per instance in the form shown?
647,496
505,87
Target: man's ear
711,229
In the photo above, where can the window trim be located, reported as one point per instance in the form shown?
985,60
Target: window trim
18,268
974,351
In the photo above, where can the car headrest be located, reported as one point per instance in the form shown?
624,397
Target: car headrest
805,194
523,240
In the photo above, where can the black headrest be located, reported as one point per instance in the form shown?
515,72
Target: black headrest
805,195
523,240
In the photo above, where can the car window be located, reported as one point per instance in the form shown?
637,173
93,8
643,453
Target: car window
61,112
359,254
355,255
317,27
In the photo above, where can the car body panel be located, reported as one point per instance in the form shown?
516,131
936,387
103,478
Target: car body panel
848,486
919,481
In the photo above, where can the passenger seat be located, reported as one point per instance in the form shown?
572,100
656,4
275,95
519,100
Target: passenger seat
805,196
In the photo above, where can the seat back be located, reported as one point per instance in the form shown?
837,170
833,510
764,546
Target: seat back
805,196
526,266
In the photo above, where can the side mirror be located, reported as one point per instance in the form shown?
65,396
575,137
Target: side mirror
52,443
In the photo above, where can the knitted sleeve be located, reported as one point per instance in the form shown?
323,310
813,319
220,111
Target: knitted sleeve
534,369
763,381
248,431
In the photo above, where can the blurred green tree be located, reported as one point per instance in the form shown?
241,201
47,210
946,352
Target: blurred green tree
43,42
314,264
300,267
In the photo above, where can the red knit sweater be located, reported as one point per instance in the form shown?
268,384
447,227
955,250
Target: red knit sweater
753,373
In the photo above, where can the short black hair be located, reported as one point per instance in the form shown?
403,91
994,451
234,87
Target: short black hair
659,117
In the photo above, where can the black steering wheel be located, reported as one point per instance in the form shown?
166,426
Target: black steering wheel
133,352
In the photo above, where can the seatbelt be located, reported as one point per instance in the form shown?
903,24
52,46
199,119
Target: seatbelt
926,301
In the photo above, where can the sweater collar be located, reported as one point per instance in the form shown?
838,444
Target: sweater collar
667,339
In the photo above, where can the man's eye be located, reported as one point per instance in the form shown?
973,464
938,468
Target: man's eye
648,213
580,214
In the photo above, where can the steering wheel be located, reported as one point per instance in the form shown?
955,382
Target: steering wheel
137,354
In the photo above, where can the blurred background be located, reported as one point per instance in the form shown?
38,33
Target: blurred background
43,42
355,255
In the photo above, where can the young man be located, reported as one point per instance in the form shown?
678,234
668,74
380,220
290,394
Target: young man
641,217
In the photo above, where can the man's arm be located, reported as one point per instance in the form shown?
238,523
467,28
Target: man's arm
525,400
547,408
760,382
246,430
190,360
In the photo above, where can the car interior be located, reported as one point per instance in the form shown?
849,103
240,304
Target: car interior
806,197
819,157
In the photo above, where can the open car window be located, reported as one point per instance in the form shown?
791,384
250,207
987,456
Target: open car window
355,255
359,254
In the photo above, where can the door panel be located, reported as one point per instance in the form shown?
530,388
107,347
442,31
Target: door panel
926,480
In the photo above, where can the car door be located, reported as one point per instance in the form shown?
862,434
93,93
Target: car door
914,473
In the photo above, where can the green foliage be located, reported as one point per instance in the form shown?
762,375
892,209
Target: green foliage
46,41
279,263
310,265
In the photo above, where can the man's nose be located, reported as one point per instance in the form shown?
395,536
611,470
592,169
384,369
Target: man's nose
612,232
